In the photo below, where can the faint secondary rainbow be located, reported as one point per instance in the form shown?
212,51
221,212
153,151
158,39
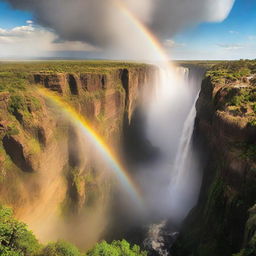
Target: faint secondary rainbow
84,126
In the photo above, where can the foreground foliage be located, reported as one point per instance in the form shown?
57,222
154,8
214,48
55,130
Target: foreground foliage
17,240
117,248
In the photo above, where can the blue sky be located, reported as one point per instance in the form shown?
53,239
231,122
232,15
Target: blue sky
234,38
12,18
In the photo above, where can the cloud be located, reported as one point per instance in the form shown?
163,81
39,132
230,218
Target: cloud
252,37
34,41
231,46
17,32
233,32
29,22
169,43
104,22
172,16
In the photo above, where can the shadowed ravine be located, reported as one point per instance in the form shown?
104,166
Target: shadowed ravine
170,190
120,157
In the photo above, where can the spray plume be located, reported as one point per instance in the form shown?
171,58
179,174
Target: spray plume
123,28
83,125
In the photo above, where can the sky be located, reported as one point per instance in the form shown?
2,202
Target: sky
233,38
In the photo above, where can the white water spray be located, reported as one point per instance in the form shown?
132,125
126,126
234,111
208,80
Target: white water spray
184,185
184,147
171,183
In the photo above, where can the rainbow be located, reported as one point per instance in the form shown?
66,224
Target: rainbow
141,28
79,121
83,125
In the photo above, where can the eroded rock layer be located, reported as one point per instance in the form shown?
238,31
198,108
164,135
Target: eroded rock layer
223,223
47,167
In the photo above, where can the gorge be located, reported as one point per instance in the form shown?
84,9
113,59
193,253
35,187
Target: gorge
51,173
111,146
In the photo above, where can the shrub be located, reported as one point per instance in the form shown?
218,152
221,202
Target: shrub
17,103
12,130
252,123
60,248
116,248
15,238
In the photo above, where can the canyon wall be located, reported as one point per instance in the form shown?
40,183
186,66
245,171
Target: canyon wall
48,174
223,223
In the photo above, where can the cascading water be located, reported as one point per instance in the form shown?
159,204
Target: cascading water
181,175
166,114
172,182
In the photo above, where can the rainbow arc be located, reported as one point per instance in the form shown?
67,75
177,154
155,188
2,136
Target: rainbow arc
107,155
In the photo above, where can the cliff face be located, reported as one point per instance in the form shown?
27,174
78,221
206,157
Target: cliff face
223,223
46,168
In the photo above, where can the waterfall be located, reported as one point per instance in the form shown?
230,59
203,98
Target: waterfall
184,146
171,182
168,110
184,184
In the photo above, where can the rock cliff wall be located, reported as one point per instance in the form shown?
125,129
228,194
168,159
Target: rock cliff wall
223,223
46,169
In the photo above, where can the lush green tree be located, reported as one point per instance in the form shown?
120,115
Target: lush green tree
60,248
15,238
116,248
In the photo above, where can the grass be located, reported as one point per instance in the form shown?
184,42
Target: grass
34,146
231,71
12,130
17,79
237,94
22,69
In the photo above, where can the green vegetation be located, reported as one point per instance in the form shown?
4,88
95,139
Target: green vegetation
16,79
17,240
12,130
12,80
60,248
21,102
17,103
77,179
248,150
34,146
14,76
231,71
217,226
201,63
250,248
239,97
116,248
21,106
236,92
214,196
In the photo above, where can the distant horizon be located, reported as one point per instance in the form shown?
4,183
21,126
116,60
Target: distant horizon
105,59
